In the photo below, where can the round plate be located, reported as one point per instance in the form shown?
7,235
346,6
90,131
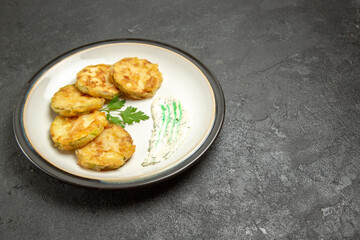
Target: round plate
185,78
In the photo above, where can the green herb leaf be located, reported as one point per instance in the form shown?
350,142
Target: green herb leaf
115,120
130,115
115,104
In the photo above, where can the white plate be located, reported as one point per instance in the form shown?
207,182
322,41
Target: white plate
185,78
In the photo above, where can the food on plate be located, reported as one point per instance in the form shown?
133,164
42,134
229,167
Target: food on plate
95,133
171,124
95,81
110,150
136,78
73,132
69,101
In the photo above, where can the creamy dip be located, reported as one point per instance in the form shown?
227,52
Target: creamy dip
171,124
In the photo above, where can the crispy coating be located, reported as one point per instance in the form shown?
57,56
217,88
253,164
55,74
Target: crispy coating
73,132
95,81
136,78
69,101
110,150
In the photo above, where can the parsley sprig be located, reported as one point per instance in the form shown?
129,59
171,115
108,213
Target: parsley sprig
127,116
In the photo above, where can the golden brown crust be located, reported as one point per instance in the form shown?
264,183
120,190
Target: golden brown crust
95,81
69,101
73,132
110,150
136,78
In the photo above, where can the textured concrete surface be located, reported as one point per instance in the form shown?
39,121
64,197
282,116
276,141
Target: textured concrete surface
287,162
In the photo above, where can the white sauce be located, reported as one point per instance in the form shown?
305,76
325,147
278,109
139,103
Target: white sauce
171,124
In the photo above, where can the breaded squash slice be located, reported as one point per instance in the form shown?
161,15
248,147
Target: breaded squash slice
73,132
69,101
136,78
110,150
94,80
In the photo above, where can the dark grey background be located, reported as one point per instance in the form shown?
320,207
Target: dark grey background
286,164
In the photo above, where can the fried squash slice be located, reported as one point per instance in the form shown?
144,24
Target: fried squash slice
69,133
136,78
109,151
69,102
95,81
